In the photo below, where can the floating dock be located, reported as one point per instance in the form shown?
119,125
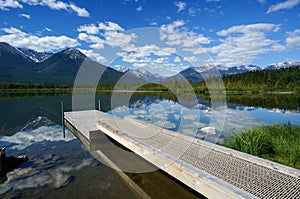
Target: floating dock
209,169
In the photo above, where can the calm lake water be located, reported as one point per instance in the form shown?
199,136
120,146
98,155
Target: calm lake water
61,167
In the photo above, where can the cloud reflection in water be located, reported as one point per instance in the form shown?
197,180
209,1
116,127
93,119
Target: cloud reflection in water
52,158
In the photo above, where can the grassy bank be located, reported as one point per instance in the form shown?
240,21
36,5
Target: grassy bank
278,143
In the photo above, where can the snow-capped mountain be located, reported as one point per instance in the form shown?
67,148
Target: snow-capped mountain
144,74
74,53
283,65
34,55
227,70
122,69
196,74
240,69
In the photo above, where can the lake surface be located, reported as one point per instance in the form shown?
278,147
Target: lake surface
62,167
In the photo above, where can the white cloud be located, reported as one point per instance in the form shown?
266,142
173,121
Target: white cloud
93,55
136,54
25,16
249,28
278,47
47,29
177,59
52,4
193,11
6,4
293,39
40,32
191,59
261,1
19,38
90,29
245,43
180,5
140,8
153,23
176,34
110,26
117,39
289,4
91,39
108,33
58,173
81,12
161,60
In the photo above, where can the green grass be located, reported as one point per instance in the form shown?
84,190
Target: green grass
278,143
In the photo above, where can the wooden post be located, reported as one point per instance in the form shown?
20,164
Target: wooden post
99,107
63,119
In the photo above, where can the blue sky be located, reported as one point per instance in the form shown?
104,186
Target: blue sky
162,36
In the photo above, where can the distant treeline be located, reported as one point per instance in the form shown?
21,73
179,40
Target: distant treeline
21,89
17,85
264,81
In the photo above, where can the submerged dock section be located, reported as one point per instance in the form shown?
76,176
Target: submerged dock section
211,170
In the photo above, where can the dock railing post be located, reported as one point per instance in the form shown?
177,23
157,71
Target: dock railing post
63,119
99,105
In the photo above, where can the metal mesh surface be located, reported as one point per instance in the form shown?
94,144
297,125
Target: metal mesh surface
258,180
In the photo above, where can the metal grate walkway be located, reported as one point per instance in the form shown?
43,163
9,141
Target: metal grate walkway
260,178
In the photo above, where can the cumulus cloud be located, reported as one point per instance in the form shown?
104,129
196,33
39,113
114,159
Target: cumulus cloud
289,4
117,39
19,38
293,39
97,42
81,12
244,43
140,8
187,42
110,26
52,4
156,56
93,55
90,29
191,59
110,33
6,4
180,5
142,53
176,34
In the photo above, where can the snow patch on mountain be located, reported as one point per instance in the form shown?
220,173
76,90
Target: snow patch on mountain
74,53
122,69
146,75
285,64
34,55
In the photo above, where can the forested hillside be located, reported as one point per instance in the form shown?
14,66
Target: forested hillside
284,79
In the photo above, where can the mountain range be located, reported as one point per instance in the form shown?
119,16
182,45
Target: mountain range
197,74
26,65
